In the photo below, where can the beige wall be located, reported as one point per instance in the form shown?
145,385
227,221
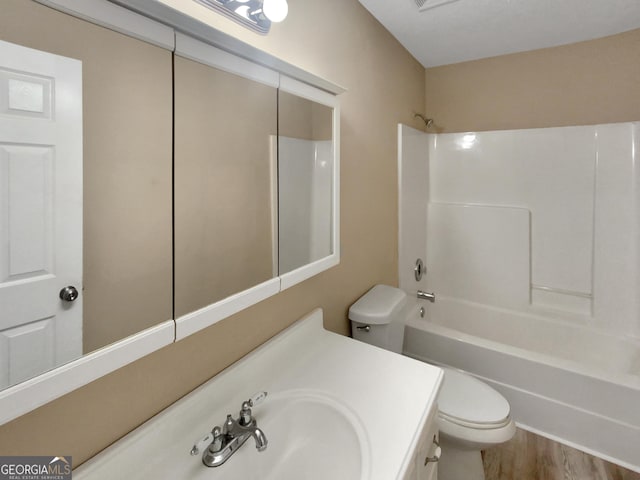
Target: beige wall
294,116
338,40
302,118
126,167
580,84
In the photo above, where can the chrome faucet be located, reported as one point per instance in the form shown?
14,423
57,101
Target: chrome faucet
223,442
427,296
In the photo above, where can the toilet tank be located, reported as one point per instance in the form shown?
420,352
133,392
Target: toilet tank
376,317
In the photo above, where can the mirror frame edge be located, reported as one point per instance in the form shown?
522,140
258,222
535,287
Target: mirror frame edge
183,23
37,391
198,51
117,18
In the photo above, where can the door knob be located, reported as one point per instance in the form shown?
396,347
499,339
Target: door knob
69,294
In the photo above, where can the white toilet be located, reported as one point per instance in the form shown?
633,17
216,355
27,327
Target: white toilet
472,416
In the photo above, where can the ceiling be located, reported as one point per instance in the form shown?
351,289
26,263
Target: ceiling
464,30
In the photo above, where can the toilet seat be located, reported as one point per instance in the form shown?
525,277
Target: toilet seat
477,426
470,403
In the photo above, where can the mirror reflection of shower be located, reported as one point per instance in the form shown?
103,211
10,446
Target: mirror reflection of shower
304,196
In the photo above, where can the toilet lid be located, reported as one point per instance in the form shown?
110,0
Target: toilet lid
471,401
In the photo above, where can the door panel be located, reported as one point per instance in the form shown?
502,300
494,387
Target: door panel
29,209
29,350
40,211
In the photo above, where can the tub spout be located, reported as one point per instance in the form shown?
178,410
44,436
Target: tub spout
426,296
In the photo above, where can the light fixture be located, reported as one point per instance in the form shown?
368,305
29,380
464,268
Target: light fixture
256,15
275,10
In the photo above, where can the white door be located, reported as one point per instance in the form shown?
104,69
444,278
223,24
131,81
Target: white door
40,211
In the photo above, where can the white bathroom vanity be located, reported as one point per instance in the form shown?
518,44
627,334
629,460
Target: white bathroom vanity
336,408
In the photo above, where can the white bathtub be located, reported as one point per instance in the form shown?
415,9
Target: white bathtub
566,382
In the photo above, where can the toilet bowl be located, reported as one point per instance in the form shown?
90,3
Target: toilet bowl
472,416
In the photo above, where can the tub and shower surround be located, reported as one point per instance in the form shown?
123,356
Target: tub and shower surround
531,242
565,399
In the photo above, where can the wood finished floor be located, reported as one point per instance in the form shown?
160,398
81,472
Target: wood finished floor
531,457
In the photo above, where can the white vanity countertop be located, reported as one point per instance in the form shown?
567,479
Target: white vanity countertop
386,396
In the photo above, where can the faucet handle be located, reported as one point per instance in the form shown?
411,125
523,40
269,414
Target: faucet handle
257,399
245,417
216,444
203,443
214,438
228,424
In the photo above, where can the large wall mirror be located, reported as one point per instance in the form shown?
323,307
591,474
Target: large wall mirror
85,188
142,181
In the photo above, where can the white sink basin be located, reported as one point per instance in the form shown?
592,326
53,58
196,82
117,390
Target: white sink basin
337,409
311,437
